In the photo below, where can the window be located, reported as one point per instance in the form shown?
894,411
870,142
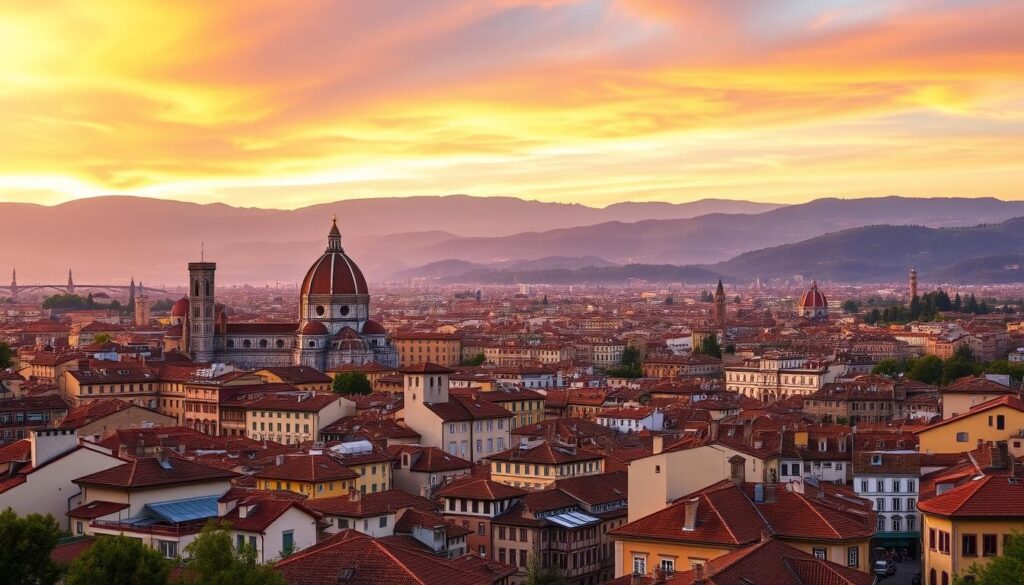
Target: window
639,565
1000,422
168,548
962,437
668,565
287,541
853,557
880,524
819,553
897,523
970,545
943,542
481,528
988,545
239,541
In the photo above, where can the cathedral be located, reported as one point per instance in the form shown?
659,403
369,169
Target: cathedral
334,326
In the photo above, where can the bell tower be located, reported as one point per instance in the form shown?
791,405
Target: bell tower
201,309
720,306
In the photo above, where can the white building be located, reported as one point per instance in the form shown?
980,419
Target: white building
632,420
775,376
891,480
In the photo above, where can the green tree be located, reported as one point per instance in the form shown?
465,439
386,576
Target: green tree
118,560
629,365
213,560
351,383
101,338
889,367
25,546
1005,569
850,306
477,360
537,574
963,353
709,346
6,355
928,369
669,300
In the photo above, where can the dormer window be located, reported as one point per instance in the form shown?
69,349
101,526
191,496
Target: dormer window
876,460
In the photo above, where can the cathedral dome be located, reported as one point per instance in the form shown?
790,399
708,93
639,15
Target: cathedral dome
334,273
813,299
372,327
314,328
180,308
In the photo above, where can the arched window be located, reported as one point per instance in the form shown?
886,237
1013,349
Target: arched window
932,578
897,523
945,578
208,293
195,287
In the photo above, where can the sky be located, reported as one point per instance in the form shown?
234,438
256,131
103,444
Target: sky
287,104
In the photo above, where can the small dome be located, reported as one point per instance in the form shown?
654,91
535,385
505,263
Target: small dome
180,307
813,299
314,328
346,333
372,327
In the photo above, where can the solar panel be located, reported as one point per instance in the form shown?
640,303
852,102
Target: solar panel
573,519
187,510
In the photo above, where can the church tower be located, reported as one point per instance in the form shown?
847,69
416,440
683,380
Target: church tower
14,284
913,283
201,309
720,306
71,283
141,308
131,294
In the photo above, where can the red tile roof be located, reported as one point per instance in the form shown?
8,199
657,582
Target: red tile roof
148,473
308,468
353,558
999,495
480,489
360,505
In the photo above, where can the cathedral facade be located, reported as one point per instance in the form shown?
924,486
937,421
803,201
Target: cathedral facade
334,326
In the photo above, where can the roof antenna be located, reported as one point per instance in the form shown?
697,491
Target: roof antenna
202,251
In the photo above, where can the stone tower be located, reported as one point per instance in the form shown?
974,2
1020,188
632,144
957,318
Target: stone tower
131,294
14,284
913,283
141,308
201,310
71,283
720,306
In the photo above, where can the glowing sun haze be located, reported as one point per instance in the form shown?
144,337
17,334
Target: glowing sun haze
277,104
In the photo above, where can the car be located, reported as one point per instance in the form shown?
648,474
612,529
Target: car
885,568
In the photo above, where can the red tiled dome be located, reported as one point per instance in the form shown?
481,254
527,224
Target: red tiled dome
372,327
314,328
813,299
334,273
180,308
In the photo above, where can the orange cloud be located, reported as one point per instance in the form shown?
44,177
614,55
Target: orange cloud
582,100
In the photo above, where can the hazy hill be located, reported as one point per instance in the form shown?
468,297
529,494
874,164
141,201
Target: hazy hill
885,252
113,238
607,275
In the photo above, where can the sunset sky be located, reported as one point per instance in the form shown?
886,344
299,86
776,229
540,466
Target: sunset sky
285,104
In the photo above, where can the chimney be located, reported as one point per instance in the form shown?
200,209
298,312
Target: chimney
659,444
698,574
181,448
279,460
713,430
49,444
1001,455
690,520
354,495
748,431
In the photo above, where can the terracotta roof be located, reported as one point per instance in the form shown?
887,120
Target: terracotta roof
430,459
465,408
353,558
480,489
96,509
148,472
1008,401
263,510
308,468
360,505
771,562
990,496
545,453
426,368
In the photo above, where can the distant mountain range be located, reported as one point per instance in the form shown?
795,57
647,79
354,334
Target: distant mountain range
448,238
878,253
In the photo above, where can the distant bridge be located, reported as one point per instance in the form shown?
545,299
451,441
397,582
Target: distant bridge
14,289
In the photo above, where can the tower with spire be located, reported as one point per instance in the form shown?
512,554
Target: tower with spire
71,283
720,306
131,294
14,284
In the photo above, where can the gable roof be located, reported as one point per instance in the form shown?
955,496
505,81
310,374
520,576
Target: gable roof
150,473
999,495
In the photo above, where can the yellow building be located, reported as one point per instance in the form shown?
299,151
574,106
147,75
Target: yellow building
969,524
416,347
730,515
373,466
314,476
993,421
301,377
290,417
526,406
539,464
965,393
